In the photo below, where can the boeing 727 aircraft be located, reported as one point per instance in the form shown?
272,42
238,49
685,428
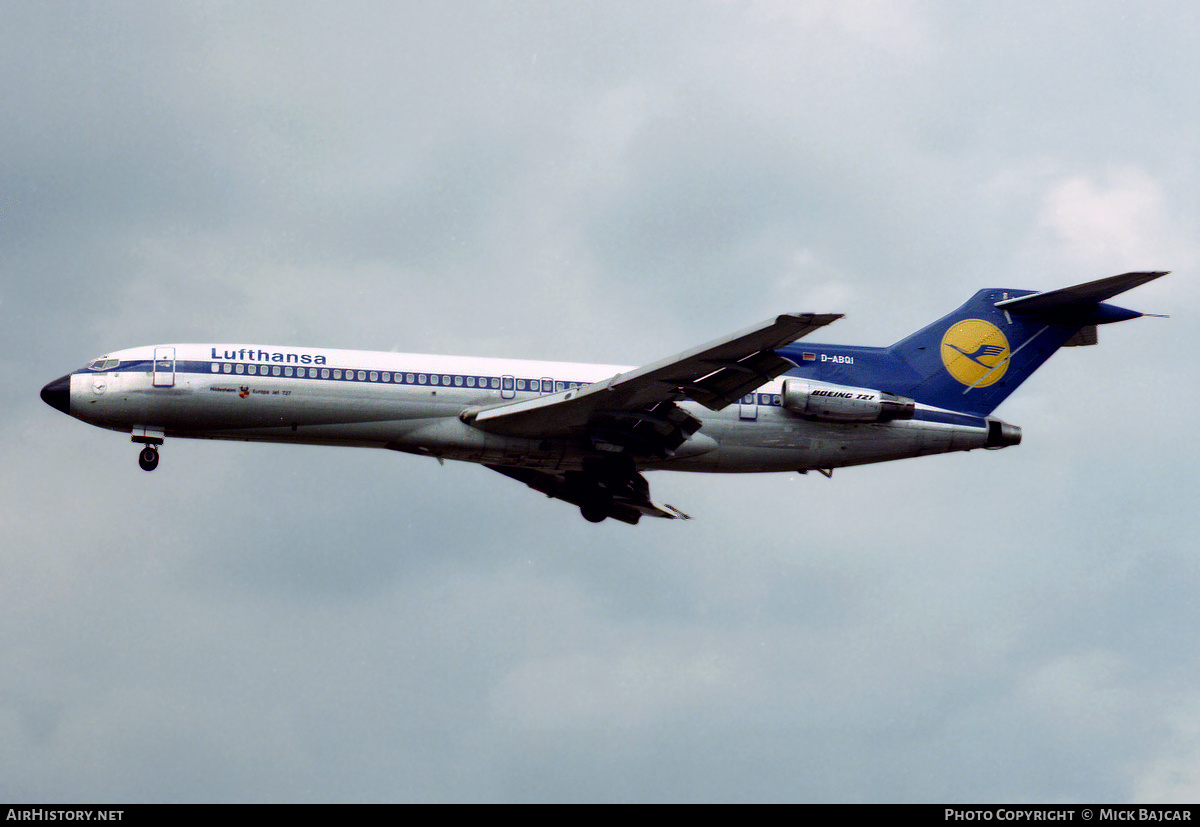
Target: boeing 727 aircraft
583,433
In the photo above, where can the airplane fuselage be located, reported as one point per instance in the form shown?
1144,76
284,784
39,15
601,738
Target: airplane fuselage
413,403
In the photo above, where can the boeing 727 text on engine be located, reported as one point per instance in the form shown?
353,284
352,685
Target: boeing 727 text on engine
583,433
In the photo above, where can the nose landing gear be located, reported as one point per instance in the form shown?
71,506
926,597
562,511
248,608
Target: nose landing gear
148,458
150,439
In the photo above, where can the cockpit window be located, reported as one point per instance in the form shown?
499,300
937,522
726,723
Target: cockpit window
103,363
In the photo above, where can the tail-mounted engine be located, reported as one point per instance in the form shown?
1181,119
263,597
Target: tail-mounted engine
838,403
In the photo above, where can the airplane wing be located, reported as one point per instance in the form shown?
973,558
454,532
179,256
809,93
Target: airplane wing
714,374
630,501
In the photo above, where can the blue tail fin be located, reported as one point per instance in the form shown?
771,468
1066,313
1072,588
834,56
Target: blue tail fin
972,359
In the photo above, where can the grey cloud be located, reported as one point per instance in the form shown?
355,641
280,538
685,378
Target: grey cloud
606,184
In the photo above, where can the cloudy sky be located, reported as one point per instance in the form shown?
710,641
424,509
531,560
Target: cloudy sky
607,182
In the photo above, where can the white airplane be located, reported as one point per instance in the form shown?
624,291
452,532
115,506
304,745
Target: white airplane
753,401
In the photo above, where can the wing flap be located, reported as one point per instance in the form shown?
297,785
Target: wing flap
733,380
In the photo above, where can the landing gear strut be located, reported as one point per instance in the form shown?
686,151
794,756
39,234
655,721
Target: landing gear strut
148,458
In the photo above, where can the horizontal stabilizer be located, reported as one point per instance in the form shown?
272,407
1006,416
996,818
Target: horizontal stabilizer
1069,299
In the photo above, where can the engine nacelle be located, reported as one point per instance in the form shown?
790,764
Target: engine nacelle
838,403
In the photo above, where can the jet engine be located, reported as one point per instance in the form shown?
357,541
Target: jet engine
838,403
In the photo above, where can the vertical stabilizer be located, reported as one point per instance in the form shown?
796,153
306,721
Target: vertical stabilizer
973,358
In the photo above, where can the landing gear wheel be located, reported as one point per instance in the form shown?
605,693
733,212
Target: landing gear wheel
596,508
148,458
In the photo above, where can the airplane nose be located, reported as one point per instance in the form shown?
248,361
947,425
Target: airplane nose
57,394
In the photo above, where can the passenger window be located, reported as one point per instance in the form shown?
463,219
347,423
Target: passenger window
362,375
408,377
253,369
324,373
374,376
275,370
239,368
216,368
287,371
458,381
228,368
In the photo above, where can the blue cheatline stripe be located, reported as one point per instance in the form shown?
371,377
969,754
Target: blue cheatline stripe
216,370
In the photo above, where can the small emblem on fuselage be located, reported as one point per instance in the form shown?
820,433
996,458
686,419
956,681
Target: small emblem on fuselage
244,391
975,352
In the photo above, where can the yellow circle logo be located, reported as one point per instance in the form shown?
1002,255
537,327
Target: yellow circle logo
975,353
